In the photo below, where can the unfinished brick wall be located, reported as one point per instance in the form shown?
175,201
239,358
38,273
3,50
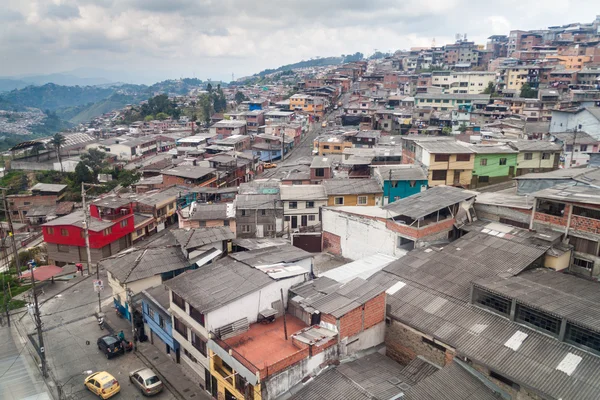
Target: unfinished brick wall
404,345
551,219
374,311
351,323
415,233
314,350
585,224
332,243
285,363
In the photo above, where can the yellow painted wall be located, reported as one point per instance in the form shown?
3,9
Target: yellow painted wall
512,82
223,384
573,62
466,168
352,199
332,147
558,263
536,160
465,178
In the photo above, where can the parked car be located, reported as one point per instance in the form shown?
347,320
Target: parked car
269,165
110,345
324,124
102,384
146,380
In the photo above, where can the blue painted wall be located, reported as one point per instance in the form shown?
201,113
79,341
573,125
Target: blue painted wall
402,189
154,324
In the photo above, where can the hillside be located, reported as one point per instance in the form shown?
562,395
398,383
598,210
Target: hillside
52,97
316,62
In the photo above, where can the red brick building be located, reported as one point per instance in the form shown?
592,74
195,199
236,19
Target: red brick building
41,194
111,225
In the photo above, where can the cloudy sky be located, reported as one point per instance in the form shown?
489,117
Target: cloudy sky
150,40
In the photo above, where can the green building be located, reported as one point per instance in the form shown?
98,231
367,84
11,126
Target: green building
493,164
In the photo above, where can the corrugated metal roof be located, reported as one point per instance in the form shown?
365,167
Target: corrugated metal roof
48,187
190,239
429,201
215,285
402,173
363,268
331,385
351,186
256,201
303,192
135,264
271,255
76,219
535,145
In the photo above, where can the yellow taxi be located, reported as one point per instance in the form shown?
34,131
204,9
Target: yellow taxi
269,165
102,384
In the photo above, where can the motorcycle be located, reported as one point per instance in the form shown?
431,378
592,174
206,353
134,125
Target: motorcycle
101,322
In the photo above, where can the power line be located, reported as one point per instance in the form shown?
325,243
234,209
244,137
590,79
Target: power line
14,361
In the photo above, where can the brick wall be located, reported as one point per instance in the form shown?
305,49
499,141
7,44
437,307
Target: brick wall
585,224
332,244
414,233
351,323
374,311
314,350
551,219
285,363
404,345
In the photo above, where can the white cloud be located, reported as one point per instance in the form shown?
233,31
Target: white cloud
213,38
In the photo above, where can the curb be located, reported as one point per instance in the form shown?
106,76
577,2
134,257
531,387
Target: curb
168,384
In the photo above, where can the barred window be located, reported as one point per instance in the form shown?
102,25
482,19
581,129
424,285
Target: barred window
586,212
493,301
581,336
539,319
580,262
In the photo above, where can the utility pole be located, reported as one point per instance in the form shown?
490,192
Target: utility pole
11,232
282,145
390,188
38,325
86,224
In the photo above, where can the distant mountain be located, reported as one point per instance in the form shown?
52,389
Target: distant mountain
7,84
52,97
64,79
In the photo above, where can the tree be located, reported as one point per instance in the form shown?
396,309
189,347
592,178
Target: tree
446,131
127,178
528,92
490,89
162,116
219,100
95,159
462,128
240,97
209,88
83,174
57,142
193,119
206,107
149,118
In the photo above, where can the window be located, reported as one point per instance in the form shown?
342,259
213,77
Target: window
50,231
189,355
433,344
586,212
583,147
201,223
439,175
286,218
463,157
483,179
319,172
410,183
505,380
442,157
198,343
197,315
171,206
498,303
243,213
64,232
62,248
326,147
528,156
545,156
338,201
582,337
245,228
582,263
584,245
551,208
151,313
310,204
539,319
108,231
337,147
178,300
138,232
362,200
262,212
124,223
503,161
483,161
226,222
180,327
292,205
161,321
569,148
311,217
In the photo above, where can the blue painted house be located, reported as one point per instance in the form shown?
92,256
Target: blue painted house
157,318
400,181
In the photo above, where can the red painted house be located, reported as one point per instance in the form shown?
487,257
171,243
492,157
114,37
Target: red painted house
111,225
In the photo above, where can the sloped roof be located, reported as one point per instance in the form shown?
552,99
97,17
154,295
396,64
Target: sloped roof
351,186
198,237
402,172
424,203
140,263
303,192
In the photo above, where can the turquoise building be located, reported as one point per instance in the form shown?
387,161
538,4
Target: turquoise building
400,181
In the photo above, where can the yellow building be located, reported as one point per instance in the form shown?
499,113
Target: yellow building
309,104
571,62
324,145
516,77
353,192
447,162
536,156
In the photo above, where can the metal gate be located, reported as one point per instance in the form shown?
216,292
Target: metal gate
310,242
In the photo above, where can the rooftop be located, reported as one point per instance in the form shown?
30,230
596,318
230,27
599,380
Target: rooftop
217,284
535,145
191,172
76,219
351,186
363,268
112,202
424,203
505,200
570,194
139,263
321,162
264,344
48,187
256,201
198,237
303,192
579,138
259,243
492,149
402,172
209,212
444,147
273,255
456,96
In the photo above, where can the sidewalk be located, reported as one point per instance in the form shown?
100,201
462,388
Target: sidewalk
171,373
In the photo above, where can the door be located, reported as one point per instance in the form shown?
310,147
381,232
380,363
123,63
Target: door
260,231
511,171
294,222
457,177
304,220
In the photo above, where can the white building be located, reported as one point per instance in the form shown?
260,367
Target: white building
472,82
301,204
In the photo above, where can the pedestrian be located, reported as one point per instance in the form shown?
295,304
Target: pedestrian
121,335
79,268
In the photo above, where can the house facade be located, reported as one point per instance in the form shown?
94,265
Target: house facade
301,205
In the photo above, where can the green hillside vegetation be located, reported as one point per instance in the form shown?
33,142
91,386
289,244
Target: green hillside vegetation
315,62
52,97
